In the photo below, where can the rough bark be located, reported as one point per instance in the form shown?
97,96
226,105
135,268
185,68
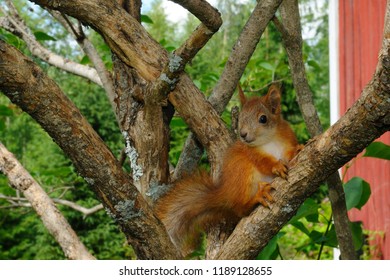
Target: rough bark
34,92
54,221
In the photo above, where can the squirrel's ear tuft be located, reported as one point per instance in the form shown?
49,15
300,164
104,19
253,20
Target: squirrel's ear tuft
241,95
273,99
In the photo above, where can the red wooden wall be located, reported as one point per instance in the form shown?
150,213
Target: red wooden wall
360,37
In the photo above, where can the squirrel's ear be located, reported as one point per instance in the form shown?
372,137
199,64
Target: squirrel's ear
241,95
273,99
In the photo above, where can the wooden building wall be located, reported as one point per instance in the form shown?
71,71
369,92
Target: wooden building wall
360,37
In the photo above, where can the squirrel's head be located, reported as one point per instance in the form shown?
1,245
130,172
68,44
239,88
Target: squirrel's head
259,117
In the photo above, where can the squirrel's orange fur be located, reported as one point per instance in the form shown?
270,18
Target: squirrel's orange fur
265,147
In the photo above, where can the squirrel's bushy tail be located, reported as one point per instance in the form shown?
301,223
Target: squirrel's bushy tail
188,208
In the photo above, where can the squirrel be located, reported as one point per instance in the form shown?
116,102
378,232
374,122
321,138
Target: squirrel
265,146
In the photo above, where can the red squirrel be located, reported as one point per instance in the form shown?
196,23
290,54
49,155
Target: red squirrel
266,144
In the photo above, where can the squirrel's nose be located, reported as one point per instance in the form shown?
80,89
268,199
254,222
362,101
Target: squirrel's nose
243,134
246,136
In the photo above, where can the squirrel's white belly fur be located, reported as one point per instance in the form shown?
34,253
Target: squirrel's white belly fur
274,148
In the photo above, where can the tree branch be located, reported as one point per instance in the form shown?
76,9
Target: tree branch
51,217
292,40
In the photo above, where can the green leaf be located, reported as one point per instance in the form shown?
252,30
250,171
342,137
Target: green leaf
2,125
271,251
5,111
146,19
357,192
85,60
177,122
331,238
301,227
313,218
378,150
357,234
170,48
42,36
317,237
211,76
314,64
308,209
197,83
267,66
12,40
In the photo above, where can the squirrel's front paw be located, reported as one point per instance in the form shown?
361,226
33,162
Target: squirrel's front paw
280,169
263,194
299,148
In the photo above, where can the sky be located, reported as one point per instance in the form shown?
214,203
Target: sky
175,12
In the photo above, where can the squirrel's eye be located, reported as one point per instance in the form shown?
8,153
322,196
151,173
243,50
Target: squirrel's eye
263,119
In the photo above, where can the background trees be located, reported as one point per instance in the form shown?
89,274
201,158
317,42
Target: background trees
141,118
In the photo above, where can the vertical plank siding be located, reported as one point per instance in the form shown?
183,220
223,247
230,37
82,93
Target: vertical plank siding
360,37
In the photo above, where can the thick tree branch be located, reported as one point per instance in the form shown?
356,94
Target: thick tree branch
292,40
366,120
51,217
27,86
